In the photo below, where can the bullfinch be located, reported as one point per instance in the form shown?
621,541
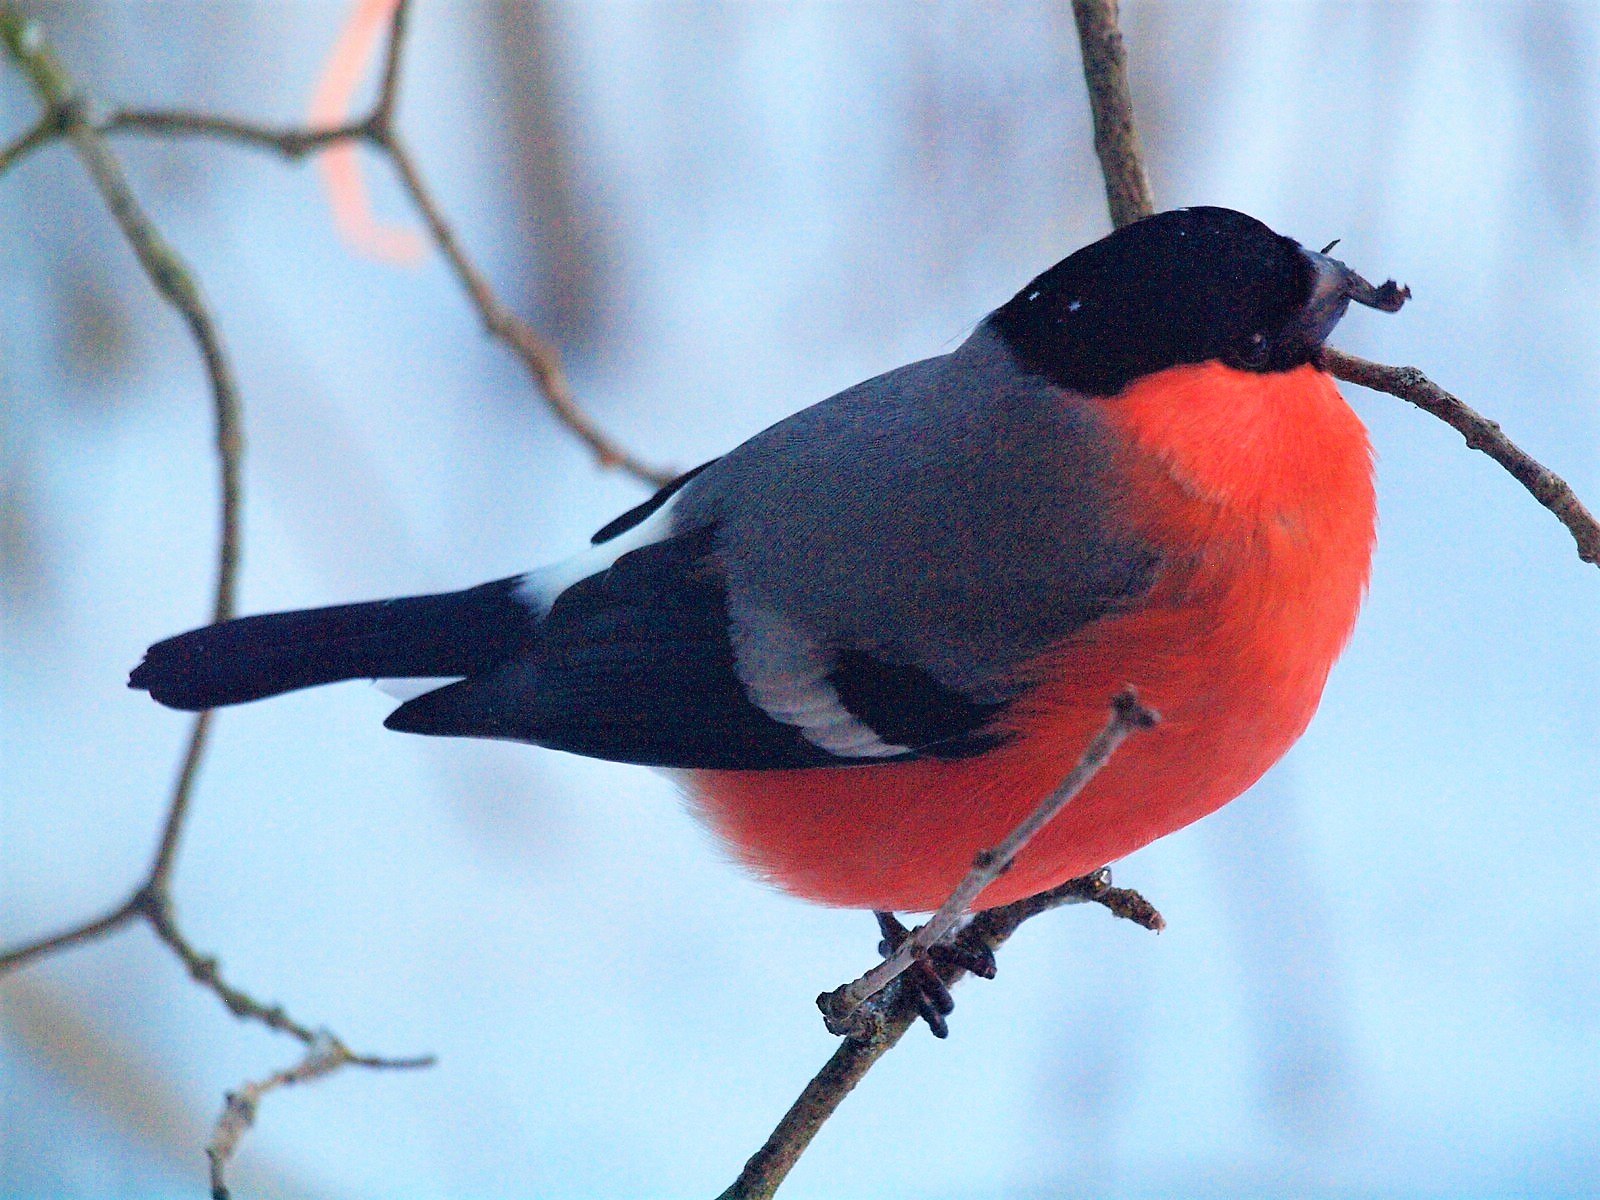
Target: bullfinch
873,637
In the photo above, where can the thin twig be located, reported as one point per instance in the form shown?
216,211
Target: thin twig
1116,137
20,956
291,142
174,282
162,264
1410,384
152,901
539,356
152,894
155,905
154,889
65,116
383,110
875,1011
840,1006
1128,193
325,1055
45,130
178,810
893,1012
770,1166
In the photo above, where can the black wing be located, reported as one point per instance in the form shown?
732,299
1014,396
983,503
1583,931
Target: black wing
635,664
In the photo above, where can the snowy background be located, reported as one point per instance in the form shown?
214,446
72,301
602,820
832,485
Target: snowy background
1382,973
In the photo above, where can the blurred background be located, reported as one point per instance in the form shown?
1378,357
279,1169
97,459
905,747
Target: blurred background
1382,972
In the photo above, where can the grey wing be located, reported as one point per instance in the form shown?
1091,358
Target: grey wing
861,583
936,528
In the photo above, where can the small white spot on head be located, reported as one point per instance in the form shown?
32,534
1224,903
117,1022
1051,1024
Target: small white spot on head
1075,306
1033,295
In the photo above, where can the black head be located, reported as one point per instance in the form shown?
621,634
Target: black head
1181,287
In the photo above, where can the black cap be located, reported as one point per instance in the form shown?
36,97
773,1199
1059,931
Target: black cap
1188,286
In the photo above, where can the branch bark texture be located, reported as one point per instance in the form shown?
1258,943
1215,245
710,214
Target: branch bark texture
891,1013
1482,434
1116,137
324,1056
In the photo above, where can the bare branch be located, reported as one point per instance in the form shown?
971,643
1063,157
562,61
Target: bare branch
19,957
892,1012
156,907
995,925
152,902
162,264
538,355
875,1011
325,1056
393,54
45,130
65,116
839,1007
173,281
291,142
1116,137
1410,384
1128,192
849,1064
182,792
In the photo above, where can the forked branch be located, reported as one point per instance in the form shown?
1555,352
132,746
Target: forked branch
65,116
842,1007
1116,140
538,355
875,1011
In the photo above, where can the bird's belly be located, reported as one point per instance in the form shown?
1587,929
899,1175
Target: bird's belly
1236,670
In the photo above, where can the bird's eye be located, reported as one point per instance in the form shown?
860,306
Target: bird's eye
1254,352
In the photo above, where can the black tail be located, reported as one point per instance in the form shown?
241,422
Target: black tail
453,634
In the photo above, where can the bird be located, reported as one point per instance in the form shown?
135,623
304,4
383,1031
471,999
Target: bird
870,639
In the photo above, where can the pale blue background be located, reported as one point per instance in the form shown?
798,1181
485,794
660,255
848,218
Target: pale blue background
1382,975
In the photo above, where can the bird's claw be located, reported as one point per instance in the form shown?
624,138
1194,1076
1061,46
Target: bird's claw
930,975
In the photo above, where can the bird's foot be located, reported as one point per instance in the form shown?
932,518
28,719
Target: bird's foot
930,976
